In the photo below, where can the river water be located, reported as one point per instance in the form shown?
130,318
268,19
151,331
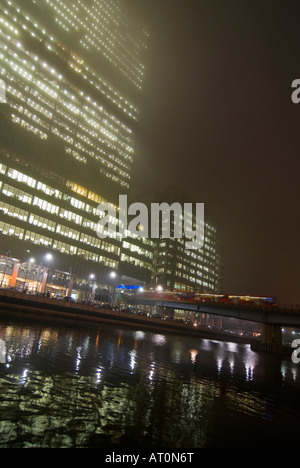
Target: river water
103,387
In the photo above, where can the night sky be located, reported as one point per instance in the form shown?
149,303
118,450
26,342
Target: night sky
217,121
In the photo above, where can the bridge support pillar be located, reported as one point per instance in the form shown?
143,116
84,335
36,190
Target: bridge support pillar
14,275
272,334
271,340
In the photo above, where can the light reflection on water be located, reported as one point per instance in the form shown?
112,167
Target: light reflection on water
71,387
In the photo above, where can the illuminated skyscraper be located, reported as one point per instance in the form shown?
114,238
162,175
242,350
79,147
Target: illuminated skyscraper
73,74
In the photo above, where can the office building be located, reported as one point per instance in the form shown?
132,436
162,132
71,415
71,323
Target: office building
177,268
73,74
73,77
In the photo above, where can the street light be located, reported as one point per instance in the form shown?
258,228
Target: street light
92,279
48,258
114,275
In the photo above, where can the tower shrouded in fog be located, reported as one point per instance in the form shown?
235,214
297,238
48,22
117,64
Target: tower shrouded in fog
73,74
72,77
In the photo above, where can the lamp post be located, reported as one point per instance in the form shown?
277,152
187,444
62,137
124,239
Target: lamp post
114,277
159,309
92,279
48,258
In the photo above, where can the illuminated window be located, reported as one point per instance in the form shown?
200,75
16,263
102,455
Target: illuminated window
64,248
42,222
88,255
70,216
10,230
77,188
108,262
96,198
89,224
37,239
46,206
67,232
90,240
49,190
13,211
2,169
13,192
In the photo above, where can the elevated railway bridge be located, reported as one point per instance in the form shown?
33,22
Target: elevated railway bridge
263,310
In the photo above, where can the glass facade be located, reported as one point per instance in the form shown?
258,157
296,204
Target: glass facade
59,64
177,268
174,266
73,75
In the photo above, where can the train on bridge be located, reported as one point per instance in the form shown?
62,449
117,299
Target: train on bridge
207,298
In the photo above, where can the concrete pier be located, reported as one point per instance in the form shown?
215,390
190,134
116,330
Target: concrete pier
271,341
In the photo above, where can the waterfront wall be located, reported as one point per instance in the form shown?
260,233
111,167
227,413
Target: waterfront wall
271,348
42,308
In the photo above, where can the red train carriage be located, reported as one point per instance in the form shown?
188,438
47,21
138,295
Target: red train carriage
226,299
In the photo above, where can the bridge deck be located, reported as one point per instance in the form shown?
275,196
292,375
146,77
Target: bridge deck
268,315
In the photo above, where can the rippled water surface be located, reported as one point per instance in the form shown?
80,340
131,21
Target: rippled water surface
106,387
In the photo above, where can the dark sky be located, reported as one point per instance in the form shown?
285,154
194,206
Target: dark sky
217,120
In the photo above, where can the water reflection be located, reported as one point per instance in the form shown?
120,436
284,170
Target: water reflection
2,352
105,387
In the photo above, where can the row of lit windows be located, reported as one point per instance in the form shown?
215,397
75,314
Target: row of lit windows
122,173
23,178
199,270
27,126
58,228
14,212
135,261
144,240
183,257
189,269
31,122
38,239
10,230
10,191
137,249
41,222
78,156
17,16
44,205
105,39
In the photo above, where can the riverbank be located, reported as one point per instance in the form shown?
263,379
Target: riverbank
23,306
